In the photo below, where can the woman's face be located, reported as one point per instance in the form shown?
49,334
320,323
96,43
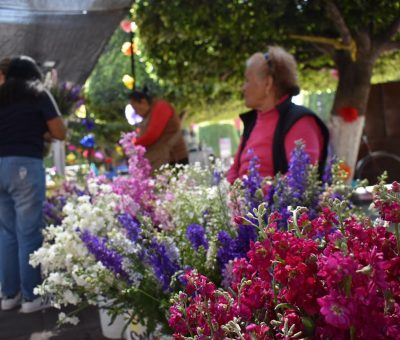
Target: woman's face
141,107
255,88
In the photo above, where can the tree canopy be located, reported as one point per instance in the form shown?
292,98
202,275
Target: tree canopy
198,48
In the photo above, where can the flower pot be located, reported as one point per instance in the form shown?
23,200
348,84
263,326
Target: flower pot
114,330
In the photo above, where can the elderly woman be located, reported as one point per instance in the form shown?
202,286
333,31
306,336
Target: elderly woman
274,124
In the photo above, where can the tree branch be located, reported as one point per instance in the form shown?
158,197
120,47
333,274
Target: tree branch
325,49
390,46
333,13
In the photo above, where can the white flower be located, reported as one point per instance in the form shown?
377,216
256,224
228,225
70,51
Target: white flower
63,318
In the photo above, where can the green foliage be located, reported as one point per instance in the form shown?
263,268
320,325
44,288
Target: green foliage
198,48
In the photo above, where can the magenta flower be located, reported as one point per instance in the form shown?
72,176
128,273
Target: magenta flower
337,310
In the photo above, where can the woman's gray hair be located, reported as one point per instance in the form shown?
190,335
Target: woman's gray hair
281,66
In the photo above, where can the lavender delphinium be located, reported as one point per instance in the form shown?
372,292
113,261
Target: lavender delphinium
216,177
108,257
131,225
252,182
327,176
50,214
52,210
237,247
164,261
296,188
196,234
297,174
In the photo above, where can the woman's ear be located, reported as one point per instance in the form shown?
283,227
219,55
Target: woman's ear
269,85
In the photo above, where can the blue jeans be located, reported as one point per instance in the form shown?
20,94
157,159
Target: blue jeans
22,194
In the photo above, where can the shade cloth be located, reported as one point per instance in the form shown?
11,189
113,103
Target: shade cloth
71,34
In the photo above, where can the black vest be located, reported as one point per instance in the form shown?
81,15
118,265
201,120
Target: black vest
289,114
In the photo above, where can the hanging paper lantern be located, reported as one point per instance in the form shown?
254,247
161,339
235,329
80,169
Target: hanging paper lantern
119,150
71,158
88,141
133,26
99,155
71,147
128,81
125,25
127,48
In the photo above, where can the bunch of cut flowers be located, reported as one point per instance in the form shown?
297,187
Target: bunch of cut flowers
330,274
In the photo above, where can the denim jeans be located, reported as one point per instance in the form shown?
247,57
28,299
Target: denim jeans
22,193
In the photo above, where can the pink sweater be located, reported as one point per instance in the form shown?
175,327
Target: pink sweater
261,142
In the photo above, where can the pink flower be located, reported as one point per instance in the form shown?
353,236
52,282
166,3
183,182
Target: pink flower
337,310
335,268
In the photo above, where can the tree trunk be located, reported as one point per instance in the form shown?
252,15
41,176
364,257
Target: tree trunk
352,91
354,83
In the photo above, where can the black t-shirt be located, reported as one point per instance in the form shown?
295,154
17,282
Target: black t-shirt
23,124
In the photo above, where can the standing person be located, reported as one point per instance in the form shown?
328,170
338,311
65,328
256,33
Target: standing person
160,131
274,124
28,116
3,69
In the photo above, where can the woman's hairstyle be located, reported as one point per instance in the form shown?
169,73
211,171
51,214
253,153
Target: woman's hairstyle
23,80
139,95
281,66
23,68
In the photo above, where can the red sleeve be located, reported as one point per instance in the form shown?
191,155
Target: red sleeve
160,114
307,129
233,172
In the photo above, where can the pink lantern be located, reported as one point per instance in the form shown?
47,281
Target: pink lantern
125,25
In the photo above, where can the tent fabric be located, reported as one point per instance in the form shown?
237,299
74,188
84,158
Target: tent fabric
70,33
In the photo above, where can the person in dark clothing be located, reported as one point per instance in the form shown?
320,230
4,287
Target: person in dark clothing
28,116
274,124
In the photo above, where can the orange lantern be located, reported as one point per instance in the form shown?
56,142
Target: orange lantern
127,48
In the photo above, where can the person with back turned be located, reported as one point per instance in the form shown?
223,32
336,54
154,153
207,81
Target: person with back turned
28,117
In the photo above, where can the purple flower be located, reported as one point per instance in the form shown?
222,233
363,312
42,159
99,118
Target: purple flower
216,178
131,225
196,235
164,261
236,247
327,175
108,257
298,172
74,93
88,124
253,181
